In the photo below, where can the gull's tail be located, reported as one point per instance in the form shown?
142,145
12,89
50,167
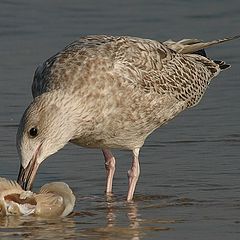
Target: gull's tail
194,45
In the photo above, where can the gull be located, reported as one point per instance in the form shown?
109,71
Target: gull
54,199
111,92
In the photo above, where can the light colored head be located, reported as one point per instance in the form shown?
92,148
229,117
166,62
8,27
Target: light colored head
44,129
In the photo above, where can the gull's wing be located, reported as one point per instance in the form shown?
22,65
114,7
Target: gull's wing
169,68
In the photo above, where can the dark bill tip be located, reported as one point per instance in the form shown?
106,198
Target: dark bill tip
21,178
27,175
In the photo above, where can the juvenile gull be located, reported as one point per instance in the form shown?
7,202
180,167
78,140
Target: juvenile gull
111,92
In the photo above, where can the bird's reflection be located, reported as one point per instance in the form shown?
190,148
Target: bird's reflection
110,216
132,230
134,219
32,227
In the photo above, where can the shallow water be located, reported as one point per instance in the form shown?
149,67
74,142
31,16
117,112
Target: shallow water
189,184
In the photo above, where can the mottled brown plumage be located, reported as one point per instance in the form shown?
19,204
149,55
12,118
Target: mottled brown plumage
111,92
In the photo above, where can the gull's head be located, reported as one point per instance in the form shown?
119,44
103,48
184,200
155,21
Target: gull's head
44,129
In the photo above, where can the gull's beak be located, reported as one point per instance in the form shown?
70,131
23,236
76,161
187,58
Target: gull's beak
27,175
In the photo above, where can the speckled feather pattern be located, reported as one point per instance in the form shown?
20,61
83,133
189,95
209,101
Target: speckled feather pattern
117,90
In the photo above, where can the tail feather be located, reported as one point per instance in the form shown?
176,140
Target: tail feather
194,45
222,64
201,52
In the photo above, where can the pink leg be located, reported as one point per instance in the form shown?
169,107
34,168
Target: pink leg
133,174
110,168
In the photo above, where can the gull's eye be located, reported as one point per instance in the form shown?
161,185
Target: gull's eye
33,132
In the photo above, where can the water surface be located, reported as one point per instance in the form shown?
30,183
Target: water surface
189,184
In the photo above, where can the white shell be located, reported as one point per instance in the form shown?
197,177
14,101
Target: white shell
54,199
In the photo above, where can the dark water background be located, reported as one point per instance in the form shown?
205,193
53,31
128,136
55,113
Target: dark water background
190,168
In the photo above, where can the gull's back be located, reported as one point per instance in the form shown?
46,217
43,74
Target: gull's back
130,86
